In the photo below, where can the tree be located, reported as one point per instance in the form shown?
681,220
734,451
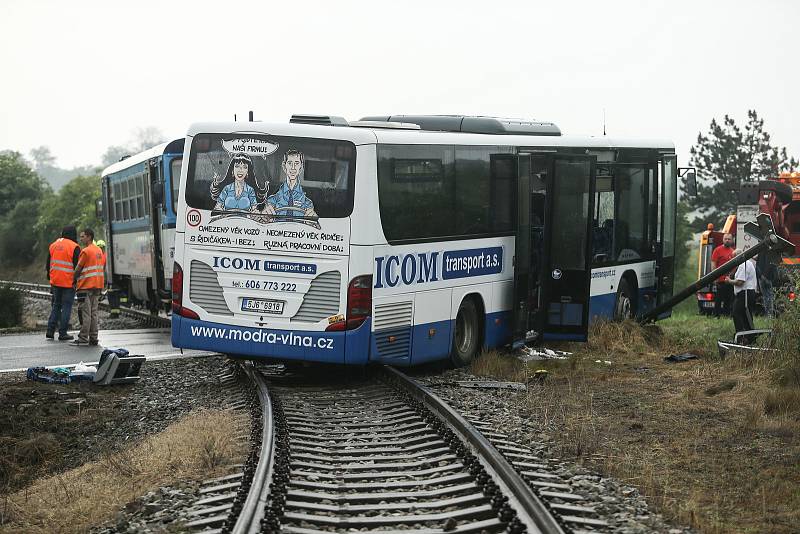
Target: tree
18,182
147,137
728,156
19,244
685,255
21,193
42,158
113,154
74,204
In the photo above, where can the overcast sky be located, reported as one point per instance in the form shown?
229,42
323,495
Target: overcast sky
80,76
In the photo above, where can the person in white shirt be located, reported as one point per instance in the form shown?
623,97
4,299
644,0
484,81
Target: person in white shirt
744,288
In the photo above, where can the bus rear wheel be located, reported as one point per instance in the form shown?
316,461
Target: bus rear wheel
623,306
466,338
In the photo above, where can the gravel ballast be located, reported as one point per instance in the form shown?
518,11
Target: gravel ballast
621,505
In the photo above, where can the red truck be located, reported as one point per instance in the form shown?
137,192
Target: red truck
781,200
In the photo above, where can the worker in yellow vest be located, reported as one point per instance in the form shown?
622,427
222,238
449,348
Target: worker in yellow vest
89,279
61,261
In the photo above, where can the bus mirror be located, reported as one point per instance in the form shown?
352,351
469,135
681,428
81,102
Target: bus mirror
98,209
689,176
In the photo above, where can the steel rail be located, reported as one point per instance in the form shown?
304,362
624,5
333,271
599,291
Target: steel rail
531,511
42,291
249,520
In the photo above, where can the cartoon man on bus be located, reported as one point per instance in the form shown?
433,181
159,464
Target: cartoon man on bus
237,194
290,199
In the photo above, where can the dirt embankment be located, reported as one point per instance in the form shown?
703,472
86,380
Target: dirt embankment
89,450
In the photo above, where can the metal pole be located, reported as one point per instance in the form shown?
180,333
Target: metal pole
707,279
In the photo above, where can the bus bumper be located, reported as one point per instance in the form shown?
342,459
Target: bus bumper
350,347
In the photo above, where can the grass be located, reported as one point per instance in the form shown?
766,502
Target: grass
713,443
198,446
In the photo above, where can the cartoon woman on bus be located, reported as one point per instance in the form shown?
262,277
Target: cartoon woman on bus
290,200
237,194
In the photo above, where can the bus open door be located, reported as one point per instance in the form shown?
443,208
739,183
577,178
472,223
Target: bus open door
552,267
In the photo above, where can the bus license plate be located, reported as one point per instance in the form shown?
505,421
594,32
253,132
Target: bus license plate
263,305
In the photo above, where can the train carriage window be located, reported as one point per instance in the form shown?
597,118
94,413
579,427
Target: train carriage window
175,181
139,198
117,195
136,193
126,207
144,197
126,210
131,198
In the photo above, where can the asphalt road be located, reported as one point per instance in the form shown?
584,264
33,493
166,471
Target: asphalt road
18,352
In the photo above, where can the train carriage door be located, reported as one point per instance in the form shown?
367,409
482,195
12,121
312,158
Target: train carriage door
110,216
154,198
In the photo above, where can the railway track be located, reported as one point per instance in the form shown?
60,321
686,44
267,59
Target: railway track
42,291
379,453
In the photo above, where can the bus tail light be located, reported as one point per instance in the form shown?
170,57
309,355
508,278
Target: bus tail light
177,293
359,304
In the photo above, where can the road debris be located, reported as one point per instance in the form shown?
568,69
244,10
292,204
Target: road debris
528,354
675,358
56,375
491,384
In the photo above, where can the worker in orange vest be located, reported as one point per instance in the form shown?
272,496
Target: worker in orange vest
102,245
61,261
89,279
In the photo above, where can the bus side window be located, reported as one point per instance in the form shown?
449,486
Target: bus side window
416,191
603,224
503,170
631,211
430,191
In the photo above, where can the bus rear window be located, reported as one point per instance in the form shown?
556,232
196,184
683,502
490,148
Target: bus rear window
284,177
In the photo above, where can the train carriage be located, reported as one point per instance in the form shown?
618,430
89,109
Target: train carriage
138,206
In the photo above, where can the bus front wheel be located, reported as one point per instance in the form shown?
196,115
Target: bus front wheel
466,338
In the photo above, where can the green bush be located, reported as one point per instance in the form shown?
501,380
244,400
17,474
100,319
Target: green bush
10,307
786,335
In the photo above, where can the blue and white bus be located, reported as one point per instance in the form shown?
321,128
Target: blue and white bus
406,239
139,203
